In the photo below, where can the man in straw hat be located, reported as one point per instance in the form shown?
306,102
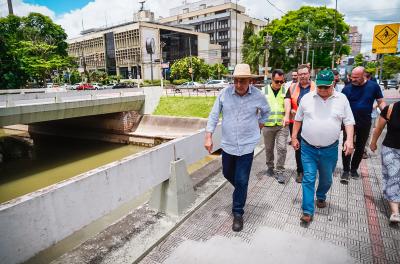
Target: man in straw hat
321,113
244,111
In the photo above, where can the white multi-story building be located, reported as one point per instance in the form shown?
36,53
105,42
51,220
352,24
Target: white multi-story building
223,20
123,49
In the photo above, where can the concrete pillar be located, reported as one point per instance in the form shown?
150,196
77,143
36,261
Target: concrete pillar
176,194
117,69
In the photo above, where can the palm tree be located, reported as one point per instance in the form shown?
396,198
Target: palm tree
253,52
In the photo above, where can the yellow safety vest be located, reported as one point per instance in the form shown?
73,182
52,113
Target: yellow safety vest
277,105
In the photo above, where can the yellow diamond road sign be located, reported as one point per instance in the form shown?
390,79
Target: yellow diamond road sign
385,38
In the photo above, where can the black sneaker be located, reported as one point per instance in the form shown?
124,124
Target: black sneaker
237,225
344,179
355,175
270,172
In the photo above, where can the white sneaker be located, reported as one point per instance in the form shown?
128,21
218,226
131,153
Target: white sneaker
395,218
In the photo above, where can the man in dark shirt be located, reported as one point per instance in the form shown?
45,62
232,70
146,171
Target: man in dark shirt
361,94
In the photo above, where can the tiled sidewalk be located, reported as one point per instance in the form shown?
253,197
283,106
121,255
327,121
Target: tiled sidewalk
355,218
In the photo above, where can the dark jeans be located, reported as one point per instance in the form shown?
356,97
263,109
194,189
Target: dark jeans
297,152
236,170
360,139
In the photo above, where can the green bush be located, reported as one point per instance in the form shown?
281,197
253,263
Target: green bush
179,81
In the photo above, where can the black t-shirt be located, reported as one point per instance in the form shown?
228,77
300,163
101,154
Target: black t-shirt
361,100
392,139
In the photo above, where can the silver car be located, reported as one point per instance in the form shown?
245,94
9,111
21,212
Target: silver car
195,86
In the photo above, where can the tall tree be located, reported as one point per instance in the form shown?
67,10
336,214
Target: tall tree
30,48
247,33
314,25
255,52
180,69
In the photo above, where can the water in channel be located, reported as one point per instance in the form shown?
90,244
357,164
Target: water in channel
26,166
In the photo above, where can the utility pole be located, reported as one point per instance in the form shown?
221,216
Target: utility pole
10,7
236,30
190,53
334,38
268,39
312,64
308,44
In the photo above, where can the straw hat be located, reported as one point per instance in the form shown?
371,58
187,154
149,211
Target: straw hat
242,71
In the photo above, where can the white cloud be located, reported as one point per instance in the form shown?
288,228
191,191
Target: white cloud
22,9
98,13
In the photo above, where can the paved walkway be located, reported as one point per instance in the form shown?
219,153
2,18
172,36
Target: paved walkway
354,227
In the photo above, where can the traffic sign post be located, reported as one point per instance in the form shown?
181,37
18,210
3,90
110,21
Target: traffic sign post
385,38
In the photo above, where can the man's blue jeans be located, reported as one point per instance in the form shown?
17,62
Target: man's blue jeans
322,160
236,170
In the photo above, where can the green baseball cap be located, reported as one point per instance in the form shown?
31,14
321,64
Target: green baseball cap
324,78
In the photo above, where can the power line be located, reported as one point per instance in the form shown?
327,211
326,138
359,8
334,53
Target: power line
280,10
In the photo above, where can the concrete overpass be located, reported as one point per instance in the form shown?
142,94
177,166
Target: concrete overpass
41,107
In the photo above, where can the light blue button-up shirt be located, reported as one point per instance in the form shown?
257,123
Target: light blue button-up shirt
240,118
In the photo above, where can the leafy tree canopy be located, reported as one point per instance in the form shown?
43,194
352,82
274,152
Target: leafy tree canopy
290,34
30,48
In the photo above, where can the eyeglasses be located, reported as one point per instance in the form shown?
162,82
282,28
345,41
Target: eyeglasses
280,82
324,87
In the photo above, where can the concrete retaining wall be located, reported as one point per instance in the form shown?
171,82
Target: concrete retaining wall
153,95
33,222
168,126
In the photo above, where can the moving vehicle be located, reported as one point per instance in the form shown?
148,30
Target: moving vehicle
216,84
189,85
392,84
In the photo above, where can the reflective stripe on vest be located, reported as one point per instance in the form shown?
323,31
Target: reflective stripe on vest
294,95
277,106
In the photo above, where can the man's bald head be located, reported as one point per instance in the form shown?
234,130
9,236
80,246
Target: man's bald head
357,76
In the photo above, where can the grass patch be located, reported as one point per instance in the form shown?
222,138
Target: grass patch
185,106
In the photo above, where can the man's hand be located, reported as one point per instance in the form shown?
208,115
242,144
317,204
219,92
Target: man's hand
285,121
208,143
348,147
260,125
373,146
295,143
293,112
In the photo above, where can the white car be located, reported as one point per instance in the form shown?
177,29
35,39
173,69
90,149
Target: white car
98,86
216,84
189,85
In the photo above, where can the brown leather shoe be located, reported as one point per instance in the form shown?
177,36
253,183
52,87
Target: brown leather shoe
299,177
306,218
321,204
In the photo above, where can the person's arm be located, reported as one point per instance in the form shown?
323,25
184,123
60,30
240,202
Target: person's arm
381,103
296,128
379,128
348,121
212,122
265,111
348,145
288,107
298,119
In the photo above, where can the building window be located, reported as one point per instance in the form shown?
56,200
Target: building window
223,35
202,6
211,36
190,18
223,24
220,12
186,10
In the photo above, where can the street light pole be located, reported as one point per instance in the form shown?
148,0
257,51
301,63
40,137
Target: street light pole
236,30
334,38
10,7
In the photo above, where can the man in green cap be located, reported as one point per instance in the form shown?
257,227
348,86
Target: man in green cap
321,114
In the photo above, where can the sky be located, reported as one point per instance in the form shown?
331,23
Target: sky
75,15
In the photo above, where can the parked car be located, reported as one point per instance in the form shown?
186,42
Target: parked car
98,86
85,86
392,84
189,85
216,84
123,85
